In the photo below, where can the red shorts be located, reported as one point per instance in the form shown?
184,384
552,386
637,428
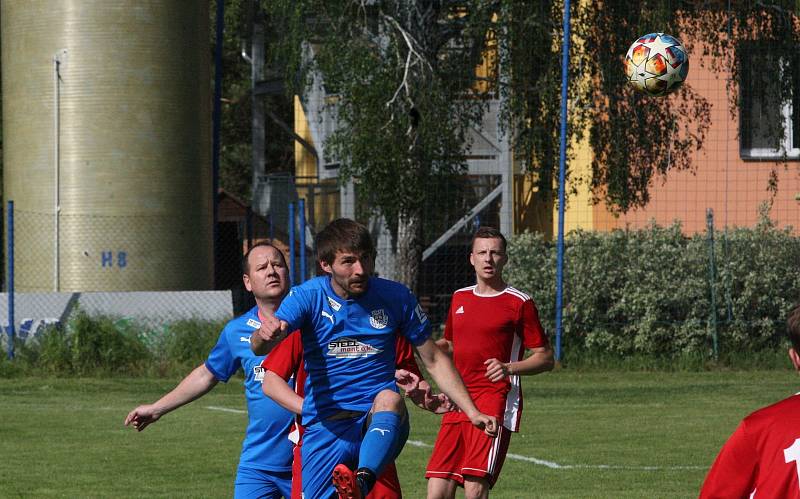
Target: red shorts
463,450
387,486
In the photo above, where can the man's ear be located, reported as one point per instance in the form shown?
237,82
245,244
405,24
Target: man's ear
325,266
246,281
795,358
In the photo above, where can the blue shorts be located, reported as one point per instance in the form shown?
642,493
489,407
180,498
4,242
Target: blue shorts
328,443
262,484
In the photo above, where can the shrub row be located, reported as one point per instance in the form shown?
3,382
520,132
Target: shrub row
103,345
649,292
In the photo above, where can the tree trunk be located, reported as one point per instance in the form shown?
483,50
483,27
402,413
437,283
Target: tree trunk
409,248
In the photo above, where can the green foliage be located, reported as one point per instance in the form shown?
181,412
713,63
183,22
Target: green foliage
185,344
99,345
647,292
400,79
103,345
236,151
634,137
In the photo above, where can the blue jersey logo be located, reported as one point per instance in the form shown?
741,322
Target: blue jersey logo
378,319
348,348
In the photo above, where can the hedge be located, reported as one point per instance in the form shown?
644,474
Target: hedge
649,291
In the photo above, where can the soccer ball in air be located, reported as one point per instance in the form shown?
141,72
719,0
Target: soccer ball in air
656,64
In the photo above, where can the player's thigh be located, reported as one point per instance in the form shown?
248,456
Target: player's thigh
325,445
483,455
447,455
262,484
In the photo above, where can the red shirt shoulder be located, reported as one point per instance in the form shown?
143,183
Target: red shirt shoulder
762,455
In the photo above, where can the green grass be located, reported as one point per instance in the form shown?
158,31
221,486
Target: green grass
622,434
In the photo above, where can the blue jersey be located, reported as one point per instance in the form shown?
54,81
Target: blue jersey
349,345
266,445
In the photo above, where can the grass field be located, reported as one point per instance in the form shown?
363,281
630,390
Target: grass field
584,434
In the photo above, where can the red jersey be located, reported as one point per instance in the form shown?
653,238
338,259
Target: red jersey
762,457
482,327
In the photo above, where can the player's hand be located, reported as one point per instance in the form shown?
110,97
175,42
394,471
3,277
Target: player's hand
438,403
486,423
407,381
271,331
496,370
142,416
411,385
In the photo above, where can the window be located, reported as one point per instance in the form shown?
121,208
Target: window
769,124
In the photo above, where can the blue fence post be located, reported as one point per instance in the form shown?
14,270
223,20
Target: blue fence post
562,162
712,282
291,244
301,212
10,278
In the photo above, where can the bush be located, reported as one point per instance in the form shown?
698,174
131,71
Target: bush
186,344
103,345
648,292
100,345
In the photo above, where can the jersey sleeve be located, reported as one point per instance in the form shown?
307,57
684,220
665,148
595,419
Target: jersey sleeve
530,328
733,472
405,356
416,327
294,308
221,361
284,360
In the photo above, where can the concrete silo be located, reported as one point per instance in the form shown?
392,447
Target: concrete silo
106,143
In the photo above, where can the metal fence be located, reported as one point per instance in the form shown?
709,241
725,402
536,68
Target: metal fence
745,170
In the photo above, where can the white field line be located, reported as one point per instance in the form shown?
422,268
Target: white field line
225,409
556,466
540,462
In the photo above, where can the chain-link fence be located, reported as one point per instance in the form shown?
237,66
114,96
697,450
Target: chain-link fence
716,158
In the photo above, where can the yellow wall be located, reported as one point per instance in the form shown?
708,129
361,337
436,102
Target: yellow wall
304,161
322,196
579,212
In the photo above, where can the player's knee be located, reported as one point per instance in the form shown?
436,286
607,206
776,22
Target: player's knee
476,488
388,400
439,488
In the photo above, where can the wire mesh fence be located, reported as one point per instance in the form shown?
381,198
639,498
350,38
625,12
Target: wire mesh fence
682,213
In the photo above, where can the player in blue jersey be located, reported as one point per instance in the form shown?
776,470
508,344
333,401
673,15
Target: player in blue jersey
348,320
266,460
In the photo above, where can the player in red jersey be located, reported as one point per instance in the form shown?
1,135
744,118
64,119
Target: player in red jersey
488,328
762,457
286,360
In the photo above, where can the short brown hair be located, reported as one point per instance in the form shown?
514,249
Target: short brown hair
246,257
793,327
343,234
485,232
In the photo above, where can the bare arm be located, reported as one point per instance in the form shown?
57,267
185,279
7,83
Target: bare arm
441,368
540,360
445,345
279,390
199,382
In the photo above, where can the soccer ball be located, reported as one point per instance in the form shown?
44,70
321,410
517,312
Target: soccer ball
656,64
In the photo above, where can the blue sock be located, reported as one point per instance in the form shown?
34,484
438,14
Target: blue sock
383,441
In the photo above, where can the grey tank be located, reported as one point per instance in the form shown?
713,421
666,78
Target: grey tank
127,127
